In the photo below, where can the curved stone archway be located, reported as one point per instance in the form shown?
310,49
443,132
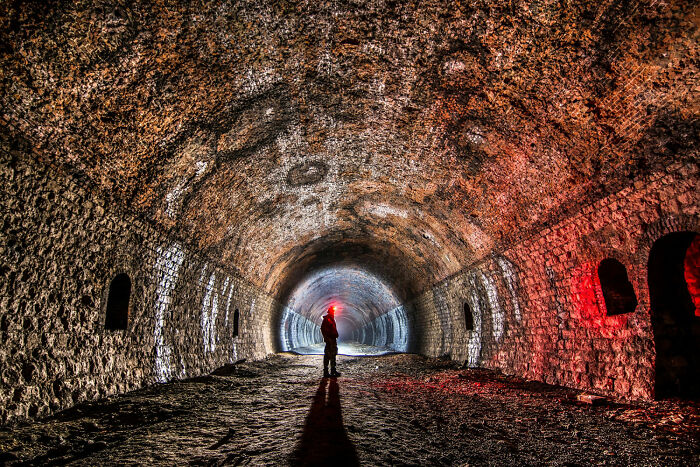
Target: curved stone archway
248,162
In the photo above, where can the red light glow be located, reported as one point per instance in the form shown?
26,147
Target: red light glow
691,271
588,302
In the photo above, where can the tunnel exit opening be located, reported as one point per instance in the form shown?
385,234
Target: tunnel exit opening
369,315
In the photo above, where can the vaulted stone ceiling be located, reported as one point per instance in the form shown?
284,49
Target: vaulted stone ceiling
408,138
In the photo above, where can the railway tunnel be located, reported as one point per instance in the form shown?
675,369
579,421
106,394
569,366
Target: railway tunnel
507,187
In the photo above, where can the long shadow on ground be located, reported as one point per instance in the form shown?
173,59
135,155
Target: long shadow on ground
325,441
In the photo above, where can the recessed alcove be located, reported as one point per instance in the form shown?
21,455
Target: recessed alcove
236,318
118,297
618,292
468,317
672,267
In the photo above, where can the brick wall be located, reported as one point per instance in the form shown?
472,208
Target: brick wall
60,247
537,306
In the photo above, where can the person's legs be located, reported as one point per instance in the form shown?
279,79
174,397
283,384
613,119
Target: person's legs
327,359
333,354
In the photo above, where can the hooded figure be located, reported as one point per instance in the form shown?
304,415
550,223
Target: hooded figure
330,335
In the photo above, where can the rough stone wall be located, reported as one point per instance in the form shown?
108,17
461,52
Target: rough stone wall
537,305
60,246
296,330
390,330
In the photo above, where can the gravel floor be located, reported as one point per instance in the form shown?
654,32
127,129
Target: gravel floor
384,410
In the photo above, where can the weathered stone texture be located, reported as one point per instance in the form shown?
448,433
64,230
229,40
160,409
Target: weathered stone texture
537,305
425,131
483,152
60,246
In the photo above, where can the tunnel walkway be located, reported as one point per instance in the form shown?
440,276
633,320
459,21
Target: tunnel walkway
388,410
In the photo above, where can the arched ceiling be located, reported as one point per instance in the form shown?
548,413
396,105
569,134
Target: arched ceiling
405,137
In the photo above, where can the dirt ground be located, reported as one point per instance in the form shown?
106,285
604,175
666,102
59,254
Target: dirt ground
384,410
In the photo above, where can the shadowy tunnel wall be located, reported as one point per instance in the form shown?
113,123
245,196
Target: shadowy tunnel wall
390,330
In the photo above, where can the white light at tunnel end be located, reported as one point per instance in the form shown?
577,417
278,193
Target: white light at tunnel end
368,310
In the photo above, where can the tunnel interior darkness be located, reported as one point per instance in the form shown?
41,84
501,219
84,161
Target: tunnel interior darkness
368,309
673,292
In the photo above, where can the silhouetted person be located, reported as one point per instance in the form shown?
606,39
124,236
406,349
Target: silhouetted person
325,441
330,335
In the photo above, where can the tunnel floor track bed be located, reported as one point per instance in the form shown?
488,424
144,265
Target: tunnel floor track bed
389,410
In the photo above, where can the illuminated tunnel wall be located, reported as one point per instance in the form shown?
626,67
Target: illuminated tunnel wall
537,309
368,310
298,331
388,330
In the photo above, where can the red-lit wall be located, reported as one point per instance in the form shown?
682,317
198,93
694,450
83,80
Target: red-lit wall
691,268
552,325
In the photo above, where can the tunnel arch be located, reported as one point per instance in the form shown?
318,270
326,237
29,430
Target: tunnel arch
265,144
369,309
383,258
369,277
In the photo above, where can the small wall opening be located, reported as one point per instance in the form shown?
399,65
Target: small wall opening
676,326
618,292
236,316
468,317
117,314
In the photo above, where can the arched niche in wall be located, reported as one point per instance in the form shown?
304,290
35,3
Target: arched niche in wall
118,297
618,292
673,295
468,317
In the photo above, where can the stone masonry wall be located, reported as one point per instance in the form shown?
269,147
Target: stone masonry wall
537,306
60,247
392,330
296,330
